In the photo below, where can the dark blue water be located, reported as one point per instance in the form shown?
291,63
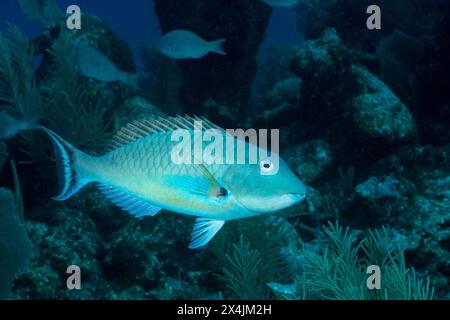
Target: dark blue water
135,22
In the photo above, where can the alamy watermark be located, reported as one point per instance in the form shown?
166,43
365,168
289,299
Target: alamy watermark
374,280
374,20
74,280
214,146
73,21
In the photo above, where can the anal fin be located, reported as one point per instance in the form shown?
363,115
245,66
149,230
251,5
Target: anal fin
135,206
204,230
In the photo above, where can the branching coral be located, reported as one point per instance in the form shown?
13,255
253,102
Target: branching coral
68,107
256,258
242,269
415,17
64,105
337,269
18,91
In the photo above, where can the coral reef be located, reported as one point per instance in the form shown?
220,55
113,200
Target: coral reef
281,100
377,113
408,51
246,263
309,160
333,269
89,232
364,122
273,66
364,110
414,200
99,35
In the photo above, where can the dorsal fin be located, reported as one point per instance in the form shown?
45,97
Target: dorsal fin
143,128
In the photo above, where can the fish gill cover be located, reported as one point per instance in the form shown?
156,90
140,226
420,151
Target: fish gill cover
363,117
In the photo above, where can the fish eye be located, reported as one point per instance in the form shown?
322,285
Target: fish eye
222,192
266,165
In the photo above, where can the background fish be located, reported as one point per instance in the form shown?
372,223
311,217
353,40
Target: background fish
182,44
45,10
93,64
281,3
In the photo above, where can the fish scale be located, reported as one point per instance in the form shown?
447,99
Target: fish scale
152,154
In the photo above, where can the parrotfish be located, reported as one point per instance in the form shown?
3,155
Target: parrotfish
140,175
281,3
93,64
182,44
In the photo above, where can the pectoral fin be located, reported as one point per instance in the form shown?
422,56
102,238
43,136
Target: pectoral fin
204,230
204,184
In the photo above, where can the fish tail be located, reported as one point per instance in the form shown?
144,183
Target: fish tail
217,46
69,178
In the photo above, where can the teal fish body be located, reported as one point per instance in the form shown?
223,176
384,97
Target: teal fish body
94,64
144,169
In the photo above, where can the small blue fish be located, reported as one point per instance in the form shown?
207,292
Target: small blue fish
183,44
140,176
93,64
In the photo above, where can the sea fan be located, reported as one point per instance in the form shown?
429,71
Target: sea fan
249,255
337,269
15,247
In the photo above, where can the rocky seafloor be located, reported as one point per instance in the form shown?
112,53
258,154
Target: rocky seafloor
364,126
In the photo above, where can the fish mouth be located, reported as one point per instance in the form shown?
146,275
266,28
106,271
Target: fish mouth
273,204
297,197
288,200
